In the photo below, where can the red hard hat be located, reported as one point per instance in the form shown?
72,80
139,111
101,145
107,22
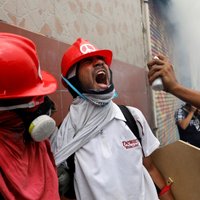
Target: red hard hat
82,49
20,74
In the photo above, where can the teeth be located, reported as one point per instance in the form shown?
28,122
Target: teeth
101,72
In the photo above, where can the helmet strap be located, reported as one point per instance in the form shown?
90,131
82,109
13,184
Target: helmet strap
34,102
73,88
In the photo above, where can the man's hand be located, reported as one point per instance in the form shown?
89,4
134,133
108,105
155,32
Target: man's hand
162,68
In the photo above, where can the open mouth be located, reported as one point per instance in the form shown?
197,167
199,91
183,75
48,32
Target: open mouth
102,79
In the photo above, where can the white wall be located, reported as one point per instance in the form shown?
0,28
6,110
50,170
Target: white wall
113,24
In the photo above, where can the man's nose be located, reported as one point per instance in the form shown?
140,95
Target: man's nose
99,62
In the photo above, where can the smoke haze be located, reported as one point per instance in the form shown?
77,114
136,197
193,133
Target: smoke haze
184,15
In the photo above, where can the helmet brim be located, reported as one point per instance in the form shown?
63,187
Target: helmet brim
47,86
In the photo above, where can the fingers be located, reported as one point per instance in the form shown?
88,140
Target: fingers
154,73
162,68
157,60
155,66
162,57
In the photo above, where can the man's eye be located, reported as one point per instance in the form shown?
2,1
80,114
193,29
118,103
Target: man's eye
87,61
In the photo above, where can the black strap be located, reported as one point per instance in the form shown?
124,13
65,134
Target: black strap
130,121
1,197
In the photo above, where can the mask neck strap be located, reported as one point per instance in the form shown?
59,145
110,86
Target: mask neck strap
73,88
30,104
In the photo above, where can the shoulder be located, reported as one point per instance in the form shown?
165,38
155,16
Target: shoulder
137,114
134,109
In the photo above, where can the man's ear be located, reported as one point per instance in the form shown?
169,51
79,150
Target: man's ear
76,84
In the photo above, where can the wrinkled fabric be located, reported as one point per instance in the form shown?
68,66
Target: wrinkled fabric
101,99
27,169
72,135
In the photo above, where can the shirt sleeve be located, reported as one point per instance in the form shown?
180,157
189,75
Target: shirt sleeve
149,142
179,115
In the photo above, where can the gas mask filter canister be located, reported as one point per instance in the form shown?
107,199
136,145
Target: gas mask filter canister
42,128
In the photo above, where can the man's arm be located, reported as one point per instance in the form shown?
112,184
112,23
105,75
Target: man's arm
162,68
188,95
157,178
185,122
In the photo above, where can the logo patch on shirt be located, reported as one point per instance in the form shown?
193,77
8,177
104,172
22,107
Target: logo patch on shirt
130,143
